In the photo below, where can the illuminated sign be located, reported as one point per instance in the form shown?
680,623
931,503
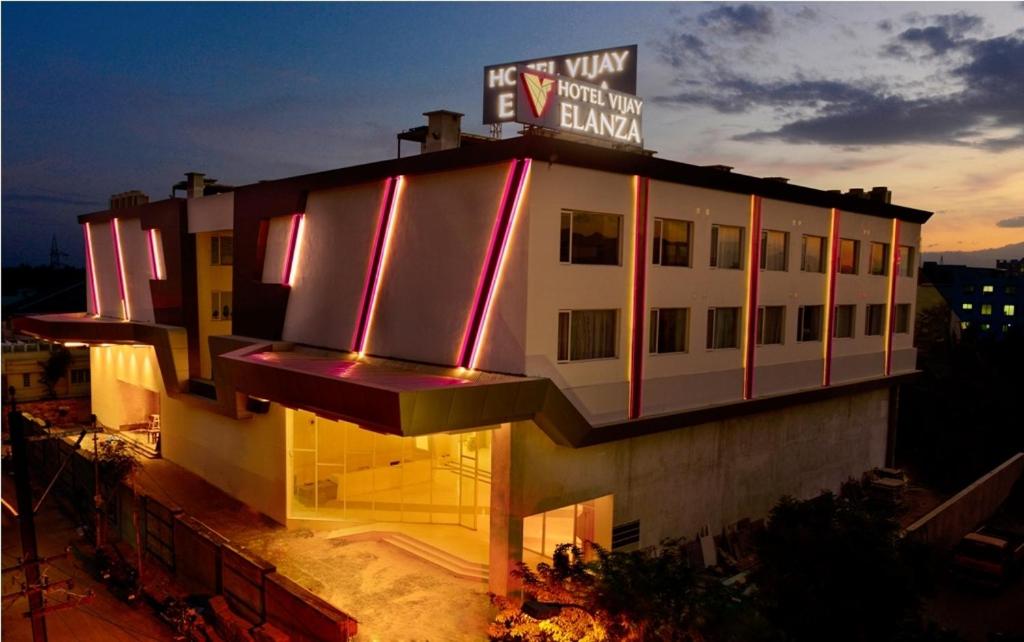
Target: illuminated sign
609,68
576,107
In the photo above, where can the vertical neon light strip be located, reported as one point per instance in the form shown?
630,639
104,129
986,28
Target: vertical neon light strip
379,251
830,296
642,192
91,269
294,234
126,308
894,265
155,260
500,235
753,275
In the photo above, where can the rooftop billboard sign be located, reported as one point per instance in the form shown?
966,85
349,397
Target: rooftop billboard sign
613,68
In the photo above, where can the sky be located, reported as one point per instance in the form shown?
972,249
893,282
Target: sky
927,99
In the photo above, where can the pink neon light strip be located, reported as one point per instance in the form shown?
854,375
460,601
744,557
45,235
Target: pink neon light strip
636,364
499,238
894,266
753,274
154,271
119,262
830,297
289,257
91,269
381,241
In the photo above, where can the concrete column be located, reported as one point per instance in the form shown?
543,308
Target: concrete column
506,549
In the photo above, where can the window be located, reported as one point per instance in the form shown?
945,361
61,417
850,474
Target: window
987,289
587,334
874,319
723,328
1007,326
727,247
1010,289
26,380
986,309
813,256
906,259
902,322
80,375
985,327
222,249
849,252
669,330
771,324
846,320
590,238
220,306
808,323
968,289
774,253
1009,309
672,242
879,264
964,325
968,306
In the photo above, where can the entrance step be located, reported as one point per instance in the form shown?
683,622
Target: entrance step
428,553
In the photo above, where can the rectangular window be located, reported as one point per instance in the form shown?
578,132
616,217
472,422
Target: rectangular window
220,306
771,324
669,330
1009,309
987,289
671,242
587,334
846,321
986,309
985,327
808,322
968,289
879,264
964,325
222,249
774,252
80,375
906,259
813,255
723,328
968,306
849,252
590,238
26,380
902,321
727,247
874,320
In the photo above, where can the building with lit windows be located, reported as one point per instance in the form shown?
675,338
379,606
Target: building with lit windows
506,345
987,301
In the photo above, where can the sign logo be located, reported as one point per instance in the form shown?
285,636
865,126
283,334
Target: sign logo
538,90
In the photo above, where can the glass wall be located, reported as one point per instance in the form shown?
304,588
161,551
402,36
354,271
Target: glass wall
340,471
579,524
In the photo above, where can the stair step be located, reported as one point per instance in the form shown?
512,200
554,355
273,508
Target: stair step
428,553
434,552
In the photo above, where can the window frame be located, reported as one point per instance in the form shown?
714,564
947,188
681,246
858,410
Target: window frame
800,323
713,260
906,267
654,341
762,311
567,314
571,214
885,258
217,249
712,316
764,251
853,321
881,319
658,240
901,319
821,254
215,310
856,257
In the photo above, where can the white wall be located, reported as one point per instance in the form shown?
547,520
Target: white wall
104,262
276,254
211,213
137,268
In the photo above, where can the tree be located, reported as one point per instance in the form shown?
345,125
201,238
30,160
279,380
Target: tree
55,368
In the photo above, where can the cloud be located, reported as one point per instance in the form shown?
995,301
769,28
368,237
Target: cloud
946,33
1016,221
744,19
49,199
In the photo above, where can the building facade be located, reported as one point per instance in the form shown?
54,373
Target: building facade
986,301
510,345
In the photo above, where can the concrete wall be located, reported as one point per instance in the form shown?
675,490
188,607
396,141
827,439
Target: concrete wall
278,231
209,278
211,213
104,261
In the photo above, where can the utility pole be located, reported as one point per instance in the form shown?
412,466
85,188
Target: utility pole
27,526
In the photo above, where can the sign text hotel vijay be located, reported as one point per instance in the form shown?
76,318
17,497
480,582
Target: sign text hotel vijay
609,68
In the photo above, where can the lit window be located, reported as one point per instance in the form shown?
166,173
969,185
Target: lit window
879,264
985,327
727,247
902,318
220,306
964,325
849,251
813,254
1006,327
808,322
723,328
846,319
1009,309
986,309
987,289
222,249
968,306
774,250
587,334
771,325
874,319
672,242
669,330
906,259
590,238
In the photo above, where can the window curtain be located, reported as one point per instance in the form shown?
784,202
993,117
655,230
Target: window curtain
593,334
723,331
730,247
774,250
812,253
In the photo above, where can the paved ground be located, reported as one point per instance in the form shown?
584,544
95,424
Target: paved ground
975,613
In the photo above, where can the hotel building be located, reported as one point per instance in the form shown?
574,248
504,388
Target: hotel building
516,343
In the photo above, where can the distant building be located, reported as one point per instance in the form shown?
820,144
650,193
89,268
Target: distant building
23,371
985,301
